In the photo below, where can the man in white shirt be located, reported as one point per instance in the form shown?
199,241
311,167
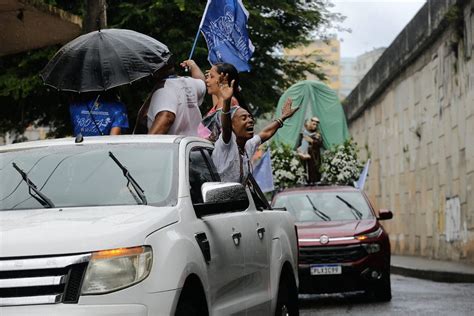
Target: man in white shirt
174,106
237,143
232,163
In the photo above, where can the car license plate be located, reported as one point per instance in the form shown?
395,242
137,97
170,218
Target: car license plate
325,269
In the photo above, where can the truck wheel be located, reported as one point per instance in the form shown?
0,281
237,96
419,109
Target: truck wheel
287,300
383,290
191,303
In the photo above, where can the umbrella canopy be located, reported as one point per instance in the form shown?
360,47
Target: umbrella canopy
104,59
315,99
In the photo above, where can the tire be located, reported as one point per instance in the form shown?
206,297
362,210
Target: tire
191,305
287,299
383,290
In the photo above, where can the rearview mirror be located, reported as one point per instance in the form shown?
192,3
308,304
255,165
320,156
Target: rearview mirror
385,214
220,197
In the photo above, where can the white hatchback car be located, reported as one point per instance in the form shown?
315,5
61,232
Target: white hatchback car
138,225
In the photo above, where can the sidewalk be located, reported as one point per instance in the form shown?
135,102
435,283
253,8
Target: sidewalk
435,270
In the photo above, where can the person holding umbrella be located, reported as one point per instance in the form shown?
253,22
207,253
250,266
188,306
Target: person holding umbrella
93,64
98,114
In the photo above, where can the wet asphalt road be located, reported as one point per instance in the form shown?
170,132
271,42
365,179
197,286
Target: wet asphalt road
409,297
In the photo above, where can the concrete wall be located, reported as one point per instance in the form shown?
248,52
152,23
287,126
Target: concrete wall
413,113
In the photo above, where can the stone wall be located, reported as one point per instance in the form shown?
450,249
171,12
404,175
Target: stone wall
413,114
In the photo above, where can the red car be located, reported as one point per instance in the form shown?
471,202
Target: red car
342,245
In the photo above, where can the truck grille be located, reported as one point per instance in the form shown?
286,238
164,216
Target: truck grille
314,255
45,280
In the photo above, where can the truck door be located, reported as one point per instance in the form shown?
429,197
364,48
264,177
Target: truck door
257,242
223,234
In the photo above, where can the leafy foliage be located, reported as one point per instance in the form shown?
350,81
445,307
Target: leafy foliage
25,100
273,24
287,169
340,164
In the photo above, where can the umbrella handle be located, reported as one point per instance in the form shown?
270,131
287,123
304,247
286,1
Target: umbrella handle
92,116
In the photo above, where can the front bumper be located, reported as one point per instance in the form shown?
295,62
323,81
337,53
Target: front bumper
355,276
151,304
75,310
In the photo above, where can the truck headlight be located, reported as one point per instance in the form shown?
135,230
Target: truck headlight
112,270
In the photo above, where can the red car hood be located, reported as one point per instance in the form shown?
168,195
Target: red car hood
334,228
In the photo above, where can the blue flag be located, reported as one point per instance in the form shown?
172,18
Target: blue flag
363,176
225,30
263,173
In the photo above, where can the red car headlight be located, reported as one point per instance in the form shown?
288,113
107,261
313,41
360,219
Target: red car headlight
374,234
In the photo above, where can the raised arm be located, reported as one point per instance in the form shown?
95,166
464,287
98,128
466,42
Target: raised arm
224,96
196,72
271,128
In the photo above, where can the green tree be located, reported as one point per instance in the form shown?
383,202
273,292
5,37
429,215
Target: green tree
273,24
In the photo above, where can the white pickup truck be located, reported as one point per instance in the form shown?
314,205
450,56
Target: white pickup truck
137,225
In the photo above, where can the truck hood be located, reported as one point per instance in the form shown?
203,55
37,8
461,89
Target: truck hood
334,228
77,230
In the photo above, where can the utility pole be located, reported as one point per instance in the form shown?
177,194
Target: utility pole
96,15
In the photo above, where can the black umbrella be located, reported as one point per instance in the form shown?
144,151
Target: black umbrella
104,59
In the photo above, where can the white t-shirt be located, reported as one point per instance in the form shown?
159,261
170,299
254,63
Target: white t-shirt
181,96
227,159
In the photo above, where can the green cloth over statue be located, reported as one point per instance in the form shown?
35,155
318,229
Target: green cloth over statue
315,99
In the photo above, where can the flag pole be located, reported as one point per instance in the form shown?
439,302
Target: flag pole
199,29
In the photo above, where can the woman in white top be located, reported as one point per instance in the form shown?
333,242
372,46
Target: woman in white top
237,143
212,120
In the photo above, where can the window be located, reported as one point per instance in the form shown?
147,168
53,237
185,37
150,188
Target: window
87,175
261,202
201,170
325,205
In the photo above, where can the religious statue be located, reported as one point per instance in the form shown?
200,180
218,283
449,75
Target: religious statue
310,149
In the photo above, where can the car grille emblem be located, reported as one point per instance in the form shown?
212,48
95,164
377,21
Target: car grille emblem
324,239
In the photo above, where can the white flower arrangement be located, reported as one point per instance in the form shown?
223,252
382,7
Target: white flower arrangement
287,169
339,164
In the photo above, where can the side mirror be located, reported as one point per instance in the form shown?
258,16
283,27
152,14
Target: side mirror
385,214
222,197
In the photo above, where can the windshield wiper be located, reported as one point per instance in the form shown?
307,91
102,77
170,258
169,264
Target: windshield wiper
141,199
322,215
40,197
355,211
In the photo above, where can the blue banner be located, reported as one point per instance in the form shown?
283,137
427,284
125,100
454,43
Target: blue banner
263,173
225,30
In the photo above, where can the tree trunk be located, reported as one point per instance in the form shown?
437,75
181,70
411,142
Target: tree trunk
96,15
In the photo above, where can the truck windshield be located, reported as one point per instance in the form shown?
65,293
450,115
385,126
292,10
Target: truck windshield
85,175
338,206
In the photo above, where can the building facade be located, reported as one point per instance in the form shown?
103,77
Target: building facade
349,77
327,54
413,114
354,69
30,25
